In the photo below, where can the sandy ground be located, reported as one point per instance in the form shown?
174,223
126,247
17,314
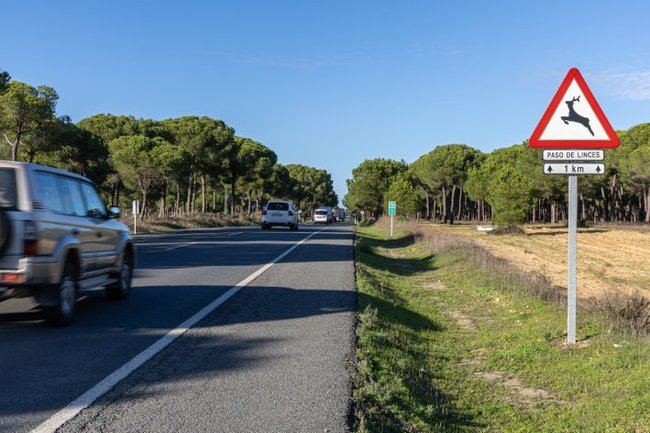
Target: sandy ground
609,259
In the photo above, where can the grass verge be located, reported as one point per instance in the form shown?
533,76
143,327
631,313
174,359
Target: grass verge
448,344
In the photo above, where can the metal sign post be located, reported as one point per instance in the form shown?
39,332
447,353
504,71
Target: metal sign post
573,131
392,210
572,259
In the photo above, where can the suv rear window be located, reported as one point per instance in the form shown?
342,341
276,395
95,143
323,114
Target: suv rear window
321,212
8,188
48,192
277,206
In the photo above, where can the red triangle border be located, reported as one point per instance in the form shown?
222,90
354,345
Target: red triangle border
535,142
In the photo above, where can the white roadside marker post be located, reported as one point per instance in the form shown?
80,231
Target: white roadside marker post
135,209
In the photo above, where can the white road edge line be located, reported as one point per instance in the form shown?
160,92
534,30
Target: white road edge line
184,244
87,398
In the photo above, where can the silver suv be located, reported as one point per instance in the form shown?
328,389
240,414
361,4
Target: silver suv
57,240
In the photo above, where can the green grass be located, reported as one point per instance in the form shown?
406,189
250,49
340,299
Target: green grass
443,346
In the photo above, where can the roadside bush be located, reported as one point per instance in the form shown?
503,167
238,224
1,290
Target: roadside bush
508,230
628,312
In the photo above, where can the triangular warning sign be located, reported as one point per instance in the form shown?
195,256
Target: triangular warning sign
574,119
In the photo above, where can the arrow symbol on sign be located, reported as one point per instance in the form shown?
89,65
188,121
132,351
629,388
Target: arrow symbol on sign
598,169
550,170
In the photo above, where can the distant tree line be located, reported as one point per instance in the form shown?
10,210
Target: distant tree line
456,182
174,166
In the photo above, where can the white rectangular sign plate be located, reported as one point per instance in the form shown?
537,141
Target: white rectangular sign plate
574,168
573,155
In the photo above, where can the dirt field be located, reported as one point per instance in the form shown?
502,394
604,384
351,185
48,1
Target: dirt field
609,259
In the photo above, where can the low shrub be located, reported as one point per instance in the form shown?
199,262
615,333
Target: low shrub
628,312
507,230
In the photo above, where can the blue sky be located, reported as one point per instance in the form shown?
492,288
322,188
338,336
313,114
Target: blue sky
330,84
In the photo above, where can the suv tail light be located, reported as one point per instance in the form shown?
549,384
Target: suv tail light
30,239
264,212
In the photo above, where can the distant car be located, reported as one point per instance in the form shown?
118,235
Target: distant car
280,213
340,214
322,216
57,240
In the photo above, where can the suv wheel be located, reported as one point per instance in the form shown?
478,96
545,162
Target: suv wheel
62,313
120,289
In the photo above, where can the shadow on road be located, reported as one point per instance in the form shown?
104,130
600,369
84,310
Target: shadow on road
227,253
96,334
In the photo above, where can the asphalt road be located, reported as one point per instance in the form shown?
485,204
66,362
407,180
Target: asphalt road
270,359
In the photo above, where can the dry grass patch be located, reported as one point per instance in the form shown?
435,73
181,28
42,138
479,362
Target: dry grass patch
609,259
154,224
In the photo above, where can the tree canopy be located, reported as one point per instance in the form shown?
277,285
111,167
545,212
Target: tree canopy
369,184
457,182
180,165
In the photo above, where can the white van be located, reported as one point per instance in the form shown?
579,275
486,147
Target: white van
323,215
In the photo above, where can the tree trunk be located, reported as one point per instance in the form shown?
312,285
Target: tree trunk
646,193
203,197
188,201
604,214
534,214
451,209
459,216
162,211
232,196
177,205
553,212
161,208
14,146
443,216
426,202
193,201
435,209
144,203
